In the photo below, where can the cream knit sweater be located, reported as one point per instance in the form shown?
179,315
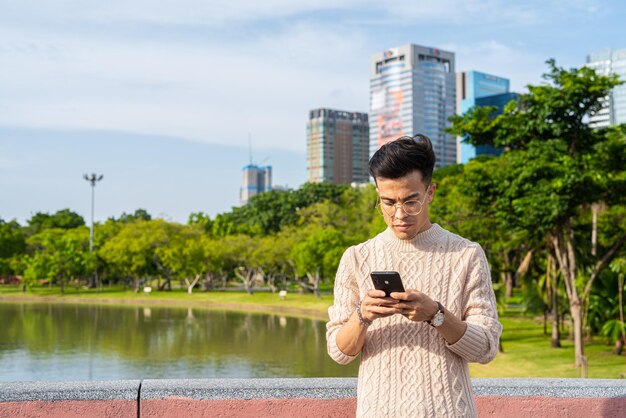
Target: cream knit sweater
407,369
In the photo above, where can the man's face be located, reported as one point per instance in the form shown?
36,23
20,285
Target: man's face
409,188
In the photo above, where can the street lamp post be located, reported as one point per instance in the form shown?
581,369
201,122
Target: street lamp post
93,179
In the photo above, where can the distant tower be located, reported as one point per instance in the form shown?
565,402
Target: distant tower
256,179
474,88
337,146
412,90
608,62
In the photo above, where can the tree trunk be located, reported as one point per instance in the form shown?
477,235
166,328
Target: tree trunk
564,250
577,317
246,278
508,284
555,341
522,269
314,280
619,346
192,284
507,276
556,335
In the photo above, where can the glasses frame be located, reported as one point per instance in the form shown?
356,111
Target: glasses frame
379,205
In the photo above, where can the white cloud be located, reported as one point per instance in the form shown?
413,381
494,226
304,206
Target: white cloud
517,64
211,92
165,12
215,71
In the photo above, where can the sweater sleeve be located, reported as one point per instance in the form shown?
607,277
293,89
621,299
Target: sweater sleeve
346,298
481,339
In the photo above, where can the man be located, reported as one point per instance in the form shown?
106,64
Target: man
415,345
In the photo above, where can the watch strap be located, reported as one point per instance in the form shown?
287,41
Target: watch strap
440,310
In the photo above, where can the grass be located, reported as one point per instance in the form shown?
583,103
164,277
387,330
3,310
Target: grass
527,351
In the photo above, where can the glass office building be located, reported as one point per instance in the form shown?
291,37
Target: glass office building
413,90
256,179
337,146
474,88
607,62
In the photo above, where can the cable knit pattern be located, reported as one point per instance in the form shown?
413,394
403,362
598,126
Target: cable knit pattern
407,369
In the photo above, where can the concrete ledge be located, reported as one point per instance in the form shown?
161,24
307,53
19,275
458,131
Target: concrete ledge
331,397
555,388
215,389
115,398
126,390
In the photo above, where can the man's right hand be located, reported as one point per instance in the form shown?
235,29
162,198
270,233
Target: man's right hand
375,305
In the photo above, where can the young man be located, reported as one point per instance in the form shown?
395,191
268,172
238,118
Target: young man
415,346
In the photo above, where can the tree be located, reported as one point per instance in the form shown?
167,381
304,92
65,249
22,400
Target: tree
12,245
59,255
139,250
63,219
557,167
318,255
138,215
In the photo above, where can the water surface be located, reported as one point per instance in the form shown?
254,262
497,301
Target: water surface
52,341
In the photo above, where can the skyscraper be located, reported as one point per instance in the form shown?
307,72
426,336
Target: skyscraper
256,180
607,62
474,88
412,90
337,146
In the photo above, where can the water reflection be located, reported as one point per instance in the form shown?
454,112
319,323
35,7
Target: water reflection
75,342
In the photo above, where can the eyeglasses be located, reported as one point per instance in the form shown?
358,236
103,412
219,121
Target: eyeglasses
410,207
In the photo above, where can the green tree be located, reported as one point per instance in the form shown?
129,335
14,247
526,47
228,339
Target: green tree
138,215
63,219
59,255
12,245
317,256
558,167
139,250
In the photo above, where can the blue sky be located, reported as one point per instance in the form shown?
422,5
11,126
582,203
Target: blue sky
161,96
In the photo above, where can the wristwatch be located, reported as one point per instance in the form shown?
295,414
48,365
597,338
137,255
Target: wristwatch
438,317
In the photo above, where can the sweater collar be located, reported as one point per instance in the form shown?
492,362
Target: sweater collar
422,241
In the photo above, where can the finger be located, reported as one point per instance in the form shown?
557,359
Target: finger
376,293
408,296
384,310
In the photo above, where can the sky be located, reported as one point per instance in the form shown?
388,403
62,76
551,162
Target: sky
165,97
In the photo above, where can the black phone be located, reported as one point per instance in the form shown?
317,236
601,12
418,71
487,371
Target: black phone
389,281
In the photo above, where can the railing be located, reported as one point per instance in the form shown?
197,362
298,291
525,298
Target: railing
329,397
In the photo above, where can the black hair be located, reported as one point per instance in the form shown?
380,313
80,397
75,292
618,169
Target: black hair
398,158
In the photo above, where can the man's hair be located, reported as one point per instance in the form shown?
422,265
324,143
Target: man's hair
398,158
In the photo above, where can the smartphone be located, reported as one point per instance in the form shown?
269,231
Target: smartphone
389,281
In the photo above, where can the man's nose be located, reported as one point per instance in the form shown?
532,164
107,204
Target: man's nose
399,209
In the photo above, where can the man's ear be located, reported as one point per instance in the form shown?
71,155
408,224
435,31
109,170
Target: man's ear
431,193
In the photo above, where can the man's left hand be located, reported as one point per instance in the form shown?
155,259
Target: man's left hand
415,305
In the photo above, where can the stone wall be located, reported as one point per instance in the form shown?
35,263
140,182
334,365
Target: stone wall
332,397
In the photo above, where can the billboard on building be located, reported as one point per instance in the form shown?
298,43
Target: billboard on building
387,105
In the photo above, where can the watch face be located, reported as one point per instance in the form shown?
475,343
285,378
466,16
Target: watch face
437,319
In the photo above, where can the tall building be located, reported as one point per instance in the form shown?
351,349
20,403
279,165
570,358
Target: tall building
337,146
474,88
256,179
608,62
412,90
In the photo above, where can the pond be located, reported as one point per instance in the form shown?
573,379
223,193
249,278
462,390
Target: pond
51,341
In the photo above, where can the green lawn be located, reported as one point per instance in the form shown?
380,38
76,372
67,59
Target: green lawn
527,351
